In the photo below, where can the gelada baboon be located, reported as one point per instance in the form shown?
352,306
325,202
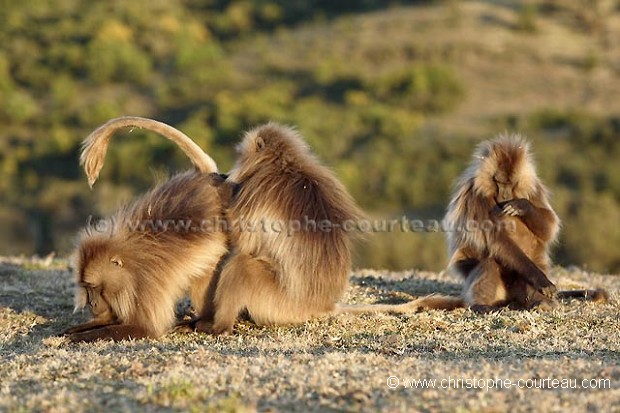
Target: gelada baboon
131,272
292,223
501,227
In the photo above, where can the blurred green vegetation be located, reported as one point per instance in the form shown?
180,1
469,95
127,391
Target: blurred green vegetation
372,106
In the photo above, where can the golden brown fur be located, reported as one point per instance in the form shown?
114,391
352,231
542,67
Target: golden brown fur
512,247
278,276
285,276
132,273
95,145
500,228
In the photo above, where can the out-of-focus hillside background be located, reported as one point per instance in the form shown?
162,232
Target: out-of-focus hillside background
393,95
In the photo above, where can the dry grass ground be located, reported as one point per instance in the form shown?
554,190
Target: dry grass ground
336,364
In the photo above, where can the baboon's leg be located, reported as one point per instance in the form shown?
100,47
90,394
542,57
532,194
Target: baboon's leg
506,252
111,332
484,289
465,266
198,292
204,297
201,299
247,283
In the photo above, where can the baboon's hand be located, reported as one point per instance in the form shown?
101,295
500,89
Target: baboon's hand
185,326
497,211
516,207
549,291
543,285
217,179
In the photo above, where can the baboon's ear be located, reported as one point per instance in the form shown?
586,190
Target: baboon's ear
260,143
116,260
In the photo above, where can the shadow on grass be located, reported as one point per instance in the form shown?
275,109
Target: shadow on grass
402,290
36,304
371,345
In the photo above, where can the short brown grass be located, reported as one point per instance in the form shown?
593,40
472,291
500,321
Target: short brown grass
340,363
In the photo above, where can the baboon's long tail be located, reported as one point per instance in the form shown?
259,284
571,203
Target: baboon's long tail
597,296
443,302
429,302
95,145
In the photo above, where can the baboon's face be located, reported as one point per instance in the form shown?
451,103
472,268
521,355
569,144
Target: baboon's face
509,184
97,283
508,172
504,187
95,300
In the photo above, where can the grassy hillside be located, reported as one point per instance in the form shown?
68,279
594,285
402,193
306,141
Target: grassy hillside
340,363
561,63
